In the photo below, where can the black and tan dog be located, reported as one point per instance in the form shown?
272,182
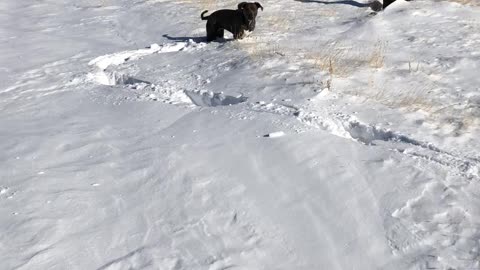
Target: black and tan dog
235,21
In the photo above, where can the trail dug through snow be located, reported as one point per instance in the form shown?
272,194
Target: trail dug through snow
105,73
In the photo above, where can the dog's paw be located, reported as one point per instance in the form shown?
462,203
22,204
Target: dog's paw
247,34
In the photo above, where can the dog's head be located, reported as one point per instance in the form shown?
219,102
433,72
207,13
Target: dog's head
249,11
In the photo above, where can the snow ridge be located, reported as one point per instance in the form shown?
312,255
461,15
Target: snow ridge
115,59
105,74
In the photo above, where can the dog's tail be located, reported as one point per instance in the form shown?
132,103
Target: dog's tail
203,17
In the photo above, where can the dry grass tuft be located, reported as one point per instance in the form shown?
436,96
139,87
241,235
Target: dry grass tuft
377,55
341,60
414,96
257,48
278,24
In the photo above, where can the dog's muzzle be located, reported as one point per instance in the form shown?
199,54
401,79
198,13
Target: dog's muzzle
251,25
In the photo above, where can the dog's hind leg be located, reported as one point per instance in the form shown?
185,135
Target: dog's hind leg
220,32
211,31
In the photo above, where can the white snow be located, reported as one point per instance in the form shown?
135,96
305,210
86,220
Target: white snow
128,142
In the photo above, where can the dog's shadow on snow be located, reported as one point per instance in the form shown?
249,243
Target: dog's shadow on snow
341,2
195,39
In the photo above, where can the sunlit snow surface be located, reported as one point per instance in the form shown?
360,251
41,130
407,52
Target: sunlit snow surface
329,138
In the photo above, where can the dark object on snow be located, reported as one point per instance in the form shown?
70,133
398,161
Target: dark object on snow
234,21
386,3
184,38
339,2
376,6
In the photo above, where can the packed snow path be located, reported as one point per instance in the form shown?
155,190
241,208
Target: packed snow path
330,138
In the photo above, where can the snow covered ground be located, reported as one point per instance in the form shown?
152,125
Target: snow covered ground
330,138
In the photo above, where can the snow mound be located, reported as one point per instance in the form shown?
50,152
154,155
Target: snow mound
112,78
210,99
115,59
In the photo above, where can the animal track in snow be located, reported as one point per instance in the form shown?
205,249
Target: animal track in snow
348,127
104,72
444,224
112,78
115,59
339,124
438,218
142,257
166,91
209,99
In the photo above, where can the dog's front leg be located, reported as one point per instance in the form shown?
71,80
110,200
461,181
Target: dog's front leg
239,35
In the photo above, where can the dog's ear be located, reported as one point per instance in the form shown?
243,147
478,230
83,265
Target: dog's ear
258,5
242,5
